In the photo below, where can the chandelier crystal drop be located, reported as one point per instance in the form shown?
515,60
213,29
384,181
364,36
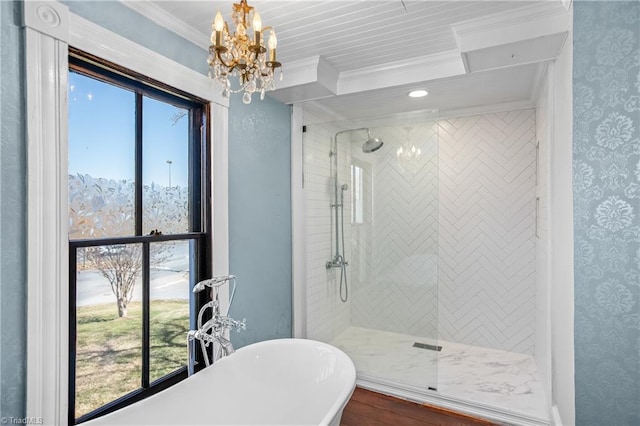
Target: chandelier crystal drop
241,56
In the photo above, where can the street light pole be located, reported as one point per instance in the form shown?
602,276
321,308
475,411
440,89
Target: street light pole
169,162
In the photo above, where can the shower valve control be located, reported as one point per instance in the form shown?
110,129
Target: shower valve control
336,263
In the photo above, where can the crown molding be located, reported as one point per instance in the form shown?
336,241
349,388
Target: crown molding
522,15
517,25
530,51
309,70
306,79
414,70
168,21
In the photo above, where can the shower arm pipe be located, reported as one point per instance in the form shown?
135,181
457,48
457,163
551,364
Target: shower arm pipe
334,150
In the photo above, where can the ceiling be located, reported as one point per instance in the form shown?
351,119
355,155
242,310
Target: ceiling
355,59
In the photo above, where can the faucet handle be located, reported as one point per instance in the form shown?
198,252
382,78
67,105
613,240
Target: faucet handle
228,322
240,325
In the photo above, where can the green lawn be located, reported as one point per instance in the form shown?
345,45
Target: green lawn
108,363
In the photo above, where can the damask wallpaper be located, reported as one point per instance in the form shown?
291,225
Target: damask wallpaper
606,126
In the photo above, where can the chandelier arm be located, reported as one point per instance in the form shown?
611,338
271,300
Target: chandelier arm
219,56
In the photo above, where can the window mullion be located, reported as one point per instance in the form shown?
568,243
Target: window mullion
146,321
139,165
145,245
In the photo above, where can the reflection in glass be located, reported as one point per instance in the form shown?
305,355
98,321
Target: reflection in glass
101,159
108,324
357,195
165,167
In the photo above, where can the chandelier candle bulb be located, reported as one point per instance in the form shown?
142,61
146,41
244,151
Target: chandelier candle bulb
257,27
273,43
218,25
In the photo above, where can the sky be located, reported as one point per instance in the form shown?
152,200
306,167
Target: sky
102,134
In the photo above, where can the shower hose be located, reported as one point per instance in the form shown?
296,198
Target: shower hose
343,268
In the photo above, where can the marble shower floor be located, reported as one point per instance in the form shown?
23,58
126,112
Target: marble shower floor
504,380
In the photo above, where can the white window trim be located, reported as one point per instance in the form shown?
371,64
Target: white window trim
49,30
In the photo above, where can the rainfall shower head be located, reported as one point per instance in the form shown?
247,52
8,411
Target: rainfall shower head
373,144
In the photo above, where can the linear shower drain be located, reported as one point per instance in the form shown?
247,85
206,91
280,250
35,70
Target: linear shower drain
427,346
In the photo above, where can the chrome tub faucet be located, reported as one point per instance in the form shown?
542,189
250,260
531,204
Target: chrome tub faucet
213,331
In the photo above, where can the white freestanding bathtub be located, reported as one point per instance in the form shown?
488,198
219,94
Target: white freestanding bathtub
275,382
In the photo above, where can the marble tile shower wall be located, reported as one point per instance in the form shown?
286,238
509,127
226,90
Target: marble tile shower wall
327,316
450,236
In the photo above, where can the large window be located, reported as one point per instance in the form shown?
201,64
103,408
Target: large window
139,237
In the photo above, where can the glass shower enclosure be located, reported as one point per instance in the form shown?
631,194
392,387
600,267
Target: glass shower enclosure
371,196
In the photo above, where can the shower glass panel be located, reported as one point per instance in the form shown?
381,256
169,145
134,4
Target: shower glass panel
384,205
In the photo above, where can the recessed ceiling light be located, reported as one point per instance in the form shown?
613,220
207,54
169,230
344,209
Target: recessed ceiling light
418,93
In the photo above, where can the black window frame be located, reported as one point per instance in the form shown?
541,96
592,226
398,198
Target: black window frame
200,217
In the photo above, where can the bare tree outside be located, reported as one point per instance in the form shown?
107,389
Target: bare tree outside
103,208
121,266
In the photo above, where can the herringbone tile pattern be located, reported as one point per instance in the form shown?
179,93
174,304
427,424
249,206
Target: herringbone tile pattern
451,236
487,230
447,245
402,243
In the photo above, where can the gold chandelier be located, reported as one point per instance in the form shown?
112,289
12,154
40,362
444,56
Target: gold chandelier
242,56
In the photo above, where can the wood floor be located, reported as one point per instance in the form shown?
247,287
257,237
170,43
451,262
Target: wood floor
368,408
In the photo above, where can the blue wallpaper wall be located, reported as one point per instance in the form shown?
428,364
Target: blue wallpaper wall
606,107
12,218
260,217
